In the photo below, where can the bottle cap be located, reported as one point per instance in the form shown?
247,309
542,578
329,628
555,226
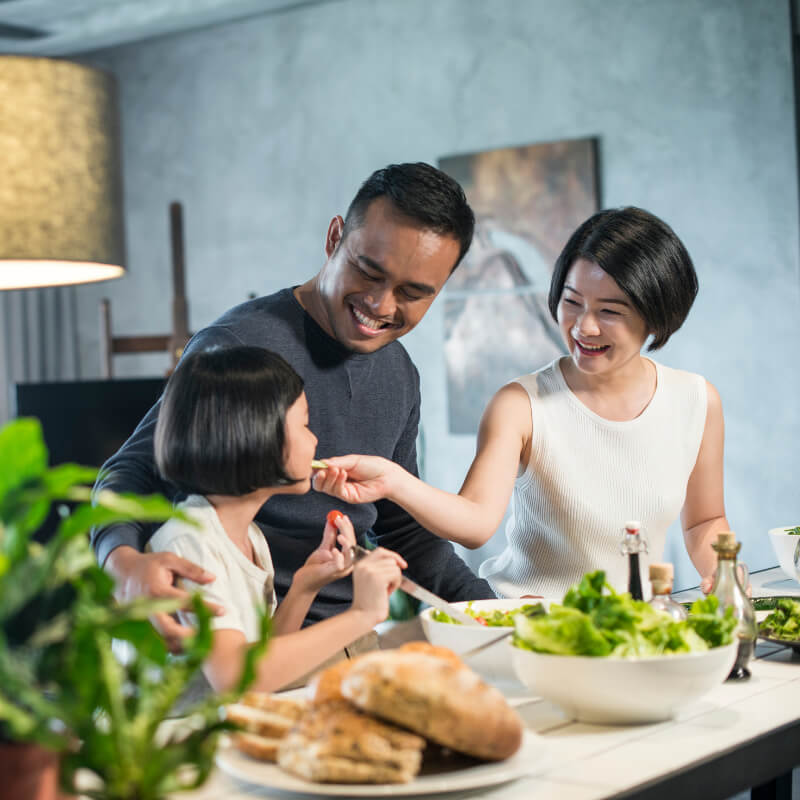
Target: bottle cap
634,526
662,572
726,539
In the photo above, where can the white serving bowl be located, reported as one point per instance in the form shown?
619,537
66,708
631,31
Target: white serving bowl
621,690
784,545
493,663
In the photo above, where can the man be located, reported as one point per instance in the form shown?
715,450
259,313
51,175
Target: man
405,232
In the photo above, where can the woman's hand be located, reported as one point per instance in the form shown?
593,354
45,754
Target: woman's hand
707,583
356,479
332,559
375,577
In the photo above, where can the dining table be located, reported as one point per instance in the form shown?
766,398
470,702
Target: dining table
741,736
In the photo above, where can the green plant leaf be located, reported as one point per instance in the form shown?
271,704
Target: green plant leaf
23,455
60,683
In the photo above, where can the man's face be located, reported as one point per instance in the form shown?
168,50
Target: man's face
379,281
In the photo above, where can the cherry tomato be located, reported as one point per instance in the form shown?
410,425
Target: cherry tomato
332,516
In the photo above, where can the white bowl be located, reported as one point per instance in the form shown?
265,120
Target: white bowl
493,663
621,690
784,545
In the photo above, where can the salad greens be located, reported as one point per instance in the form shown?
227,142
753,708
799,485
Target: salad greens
784,621
492,619
594,620
792,531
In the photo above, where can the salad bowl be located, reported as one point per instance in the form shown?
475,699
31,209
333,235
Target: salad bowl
623,690
784,544
494,662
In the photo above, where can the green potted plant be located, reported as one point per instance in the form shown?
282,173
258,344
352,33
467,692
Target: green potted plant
65,699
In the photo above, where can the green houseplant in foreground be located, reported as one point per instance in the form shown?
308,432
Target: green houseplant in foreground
60,685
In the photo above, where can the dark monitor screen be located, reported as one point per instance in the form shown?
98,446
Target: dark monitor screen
87,421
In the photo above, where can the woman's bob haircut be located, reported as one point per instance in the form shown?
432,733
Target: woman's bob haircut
646,259
220,428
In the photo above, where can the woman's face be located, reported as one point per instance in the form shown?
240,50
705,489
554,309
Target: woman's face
300,444
600,326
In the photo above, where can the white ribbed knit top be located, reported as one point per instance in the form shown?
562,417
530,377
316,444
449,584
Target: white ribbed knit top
588,475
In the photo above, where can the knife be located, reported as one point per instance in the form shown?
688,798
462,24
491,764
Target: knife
415,590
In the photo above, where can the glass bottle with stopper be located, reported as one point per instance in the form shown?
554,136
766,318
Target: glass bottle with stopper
661,577
633,543
731,593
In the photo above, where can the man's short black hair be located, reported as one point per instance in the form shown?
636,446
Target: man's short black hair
646,259
220,427
422,193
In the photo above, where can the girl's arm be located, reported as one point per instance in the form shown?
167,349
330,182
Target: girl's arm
292,655
703,513
468,518
327,563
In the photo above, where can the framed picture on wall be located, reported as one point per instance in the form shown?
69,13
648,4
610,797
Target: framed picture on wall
527,202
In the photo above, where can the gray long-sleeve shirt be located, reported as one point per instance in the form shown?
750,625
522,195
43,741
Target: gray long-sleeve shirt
358,403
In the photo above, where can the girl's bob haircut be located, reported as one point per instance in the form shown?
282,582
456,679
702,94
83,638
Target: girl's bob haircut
220,428
646,259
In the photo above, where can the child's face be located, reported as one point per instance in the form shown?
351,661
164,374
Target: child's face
301,445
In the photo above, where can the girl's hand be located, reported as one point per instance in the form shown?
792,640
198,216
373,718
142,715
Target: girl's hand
332,559
355,479
375,577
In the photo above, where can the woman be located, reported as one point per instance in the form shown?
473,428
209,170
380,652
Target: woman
595,438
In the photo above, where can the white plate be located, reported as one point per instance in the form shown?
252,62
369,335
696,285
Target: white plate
262,773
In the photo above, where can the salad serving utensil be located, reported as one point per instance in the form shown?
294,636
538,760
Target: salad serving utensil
415,590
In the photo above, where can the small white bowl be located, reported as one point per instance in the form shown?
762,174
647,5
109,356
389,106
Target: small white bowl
494,663
784,545
621,690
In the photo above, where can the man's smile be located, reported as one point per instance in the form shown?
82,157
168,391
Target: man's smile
368,324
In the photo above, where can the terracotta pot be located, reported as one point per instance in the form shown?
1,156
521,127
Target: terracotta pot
29,772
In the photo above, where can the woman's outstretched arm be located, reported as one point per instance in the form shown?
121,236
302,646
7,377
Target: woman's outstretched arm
468,518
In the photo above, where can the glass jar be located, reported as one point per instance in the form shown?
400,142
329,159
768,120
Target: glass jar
661,577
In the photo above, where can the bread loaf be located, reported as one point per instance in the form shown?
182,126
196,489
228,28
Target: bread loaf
325,686
263,748
438,698
336,743
254,720
264,720
289,707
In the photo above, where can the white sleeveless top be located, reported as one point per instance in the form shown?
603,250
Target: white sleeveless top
587,476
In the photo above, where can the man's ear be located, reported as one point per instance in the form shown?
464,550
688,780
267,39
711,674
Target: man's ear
335,233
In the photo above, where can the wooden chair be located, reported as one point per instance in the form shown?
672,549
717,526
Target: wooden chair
174,342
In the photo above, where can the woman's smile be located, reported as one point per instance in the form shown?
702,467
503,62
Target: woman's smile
590,350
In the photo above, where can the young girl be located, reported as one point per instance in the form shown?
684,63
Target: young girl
233,431
598,437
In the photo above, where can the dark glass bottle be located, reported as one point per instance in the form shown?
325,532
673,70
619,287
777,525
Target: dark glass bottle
731,593
633,543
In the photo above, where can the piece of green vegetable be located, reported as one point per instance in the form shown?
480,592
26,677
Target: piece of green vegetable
492,619
784,621
594,620
793,531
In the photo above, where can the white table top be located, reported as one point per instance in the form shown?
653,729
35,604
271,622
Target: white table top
583,762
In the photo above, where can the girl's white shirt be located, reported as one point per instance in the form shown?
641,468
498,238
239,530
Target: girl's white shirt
241,587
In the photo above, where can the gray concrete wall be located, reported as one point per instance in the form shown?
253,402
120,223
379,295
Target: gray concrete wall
264,129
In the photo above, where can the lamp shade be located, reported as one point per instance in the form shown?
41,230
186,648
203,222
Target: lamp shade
60,178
